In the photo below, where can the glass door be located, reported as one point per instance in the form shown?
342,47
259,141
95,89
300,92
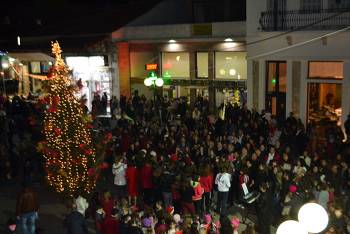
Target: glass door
276,88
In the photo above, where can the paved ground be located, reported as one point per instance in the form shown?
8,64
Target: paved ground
51,214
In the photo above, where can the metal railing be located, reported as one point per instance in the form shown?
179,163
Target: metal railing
328,19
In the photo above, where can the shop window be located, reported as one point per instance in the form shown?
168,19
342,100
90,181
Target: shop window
202,65
138,61
324,102
176,64
326,70
35,68
231,65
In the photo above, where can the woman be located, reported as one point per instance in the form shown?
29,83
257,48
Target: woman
206,179
186,198
198,193
223,181
132,182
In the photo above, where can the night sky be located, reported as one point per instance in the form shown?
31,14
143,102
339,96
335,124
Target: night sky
74,21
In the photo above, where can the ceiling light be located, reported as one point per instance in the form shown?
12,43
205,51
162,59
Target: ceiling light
232,72
222,72
228,40
172,41
228,58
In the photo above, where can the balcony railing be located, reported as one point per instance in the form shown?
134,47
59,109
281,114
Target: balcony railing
305,20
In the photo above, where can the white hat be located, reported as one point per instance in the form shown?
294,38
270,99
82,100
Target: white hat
153,153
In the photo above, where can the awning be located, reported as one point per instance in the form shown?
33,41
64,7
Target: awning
31,57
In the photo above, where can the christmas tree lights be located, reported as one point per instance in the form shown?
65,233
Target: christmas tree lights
67,148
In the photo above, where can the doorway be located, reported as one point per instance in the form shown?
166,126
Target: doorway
276,88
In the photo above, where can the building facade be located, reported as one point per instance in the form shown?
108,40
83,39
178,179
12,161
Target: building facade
299,59
206,58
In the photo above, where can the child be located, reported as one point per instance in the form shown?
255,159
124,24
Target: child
10,227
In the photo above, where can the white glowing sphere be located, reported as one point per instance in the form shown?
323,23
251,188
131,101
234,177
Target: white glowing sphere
147,82
159,82
232,72
313,217
291,227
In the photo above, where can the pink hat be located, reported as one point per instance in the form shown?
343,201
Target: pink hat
207,218
235,223
292,188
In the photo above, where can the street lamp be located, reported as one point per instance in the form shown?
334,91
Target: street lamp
291,227
154,82
313,217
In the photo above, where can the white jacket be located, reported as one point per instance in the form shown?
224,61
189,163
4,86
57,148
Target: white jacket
119,171
223,181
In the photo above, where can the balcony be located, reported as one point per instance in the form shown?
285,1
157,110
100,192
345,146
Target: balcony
328,19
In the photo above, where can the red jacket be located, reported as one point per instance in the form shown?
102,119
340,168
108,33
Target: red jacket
146,177
107,206
198,192
110,226
207,183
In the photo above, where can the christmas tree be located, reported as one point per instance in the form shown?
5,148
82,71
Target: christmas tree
68,149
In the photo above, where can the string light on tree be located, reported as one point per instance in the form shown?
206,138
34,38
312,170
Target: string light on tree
67,148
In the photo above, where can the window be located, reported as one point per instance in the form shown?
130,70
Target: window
326,70
138,61
310,5
338,4
231,65
35,68
202,65
176,64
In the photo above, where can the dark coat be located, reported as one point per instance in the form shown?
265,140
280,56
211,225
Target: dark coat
75,223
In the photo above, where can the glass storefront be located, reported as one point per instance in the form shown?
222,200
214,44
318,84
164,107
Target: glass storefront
94,74
176,64
231,65
324,91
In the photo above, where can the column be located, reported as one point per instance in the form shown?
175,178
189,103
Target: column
211,87
262,84
114,71
289,85
345,94
124,68
303,91
250,84
192,77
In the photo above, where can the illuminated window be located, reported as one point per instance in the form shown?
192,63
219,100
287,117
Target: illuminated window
35,67
231,65
326,70
138,61
176,64
202,65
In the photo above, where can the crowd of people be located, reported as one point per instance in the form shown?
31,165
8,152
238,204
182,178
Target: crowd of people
174,161
179,169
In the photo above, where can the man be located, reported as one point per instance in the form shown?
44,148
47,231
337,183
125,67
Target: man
264,207
27,210
75,222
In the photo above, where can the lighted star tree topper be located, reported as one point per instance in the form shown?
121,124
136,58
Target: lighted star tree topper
67,148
